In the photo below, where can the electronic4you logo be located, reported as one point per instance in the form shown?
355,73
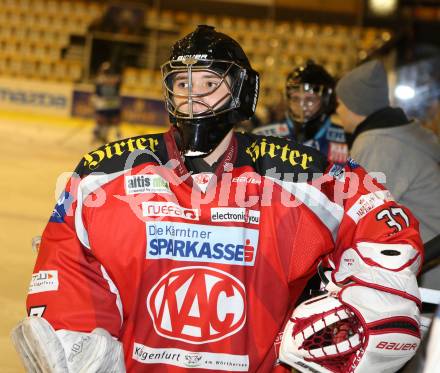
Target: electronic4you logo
197,305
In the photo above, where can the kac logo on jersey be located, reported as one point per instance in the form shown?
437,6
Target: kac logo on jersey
135,184
162,209
60,210
197,305
201,243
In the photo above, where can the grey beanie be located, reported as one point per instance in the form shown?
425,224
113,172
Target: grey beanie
364,90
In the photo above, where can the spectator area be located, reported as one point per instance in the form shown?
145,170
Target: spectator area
36,43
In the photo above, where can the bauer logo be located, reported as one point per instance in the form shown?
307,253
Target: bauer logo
201,243
192,56
135,184
190,359
197,305
43,281
162,209
235,214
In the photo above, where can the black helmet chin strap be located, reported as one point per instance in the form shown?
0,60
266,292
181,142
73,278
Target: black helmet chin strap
196,137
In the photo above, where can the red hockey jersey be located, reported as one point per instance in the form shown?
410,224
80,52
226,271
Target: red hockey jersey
199,277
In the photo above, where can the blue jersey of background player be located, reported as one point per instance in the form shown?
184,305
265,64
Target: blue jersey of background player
310,101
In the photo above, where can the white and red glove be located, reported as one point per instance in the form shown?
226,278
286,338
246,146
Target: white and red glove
369,325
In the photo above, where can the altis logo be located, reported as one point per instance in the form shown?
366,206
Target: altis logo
197,305
201,243
136,184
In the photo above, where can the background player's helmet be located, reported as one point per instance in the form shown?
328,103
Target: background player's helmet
206,50
310,93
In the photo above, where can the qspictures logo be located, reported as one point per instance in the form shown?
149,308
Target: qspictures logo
93,159
164,209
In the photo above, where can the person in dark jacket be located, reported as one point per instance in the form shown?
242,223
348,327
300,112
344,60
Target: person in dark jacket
385,140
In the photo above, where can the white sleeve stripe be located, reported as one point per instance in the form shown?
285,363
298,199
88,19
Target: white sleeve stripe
327,211
115,291
86,186
79,225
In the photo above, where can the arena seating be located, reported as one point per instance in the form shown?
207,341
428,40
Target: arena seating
34,33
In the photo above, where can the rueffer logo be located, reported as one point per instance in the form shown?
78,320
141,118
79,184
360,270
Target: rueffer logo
162,209
136,184
197,305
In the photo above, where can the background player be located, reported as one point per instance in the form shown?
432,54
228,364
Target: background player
310,100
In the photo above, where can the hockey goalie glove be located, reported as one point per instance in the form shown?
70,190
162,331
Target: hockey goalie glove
360,329
44,350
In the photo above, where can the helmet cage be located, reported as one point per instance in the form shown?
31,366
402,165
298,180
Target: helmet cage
230,75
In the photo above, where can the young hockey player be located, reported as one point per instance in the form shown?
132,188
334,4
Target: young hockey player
188,250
